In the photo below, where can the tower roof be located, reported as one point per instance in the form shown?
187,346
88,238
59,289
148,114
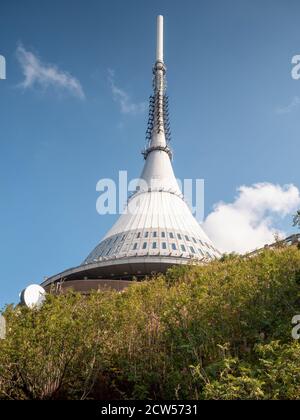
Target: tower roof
157,228
157,220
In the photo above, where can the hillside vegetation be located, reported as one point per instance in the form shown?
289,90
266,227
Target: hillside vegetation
220,331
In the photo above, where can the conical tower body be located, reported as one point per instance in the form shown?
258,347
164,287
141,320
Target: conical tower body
157,229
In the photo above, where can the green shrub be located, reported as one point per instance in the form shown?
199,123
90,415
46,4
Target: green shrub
219,331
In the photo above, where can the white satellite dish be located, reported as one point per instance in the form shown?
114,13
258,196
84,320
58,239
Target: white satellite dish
33,296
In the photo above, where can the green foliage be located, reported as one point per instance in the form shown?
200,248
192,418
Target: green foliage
297,219
274,374
219,331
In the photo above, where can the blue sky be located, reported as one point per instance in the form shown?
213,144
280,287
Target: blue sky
233,107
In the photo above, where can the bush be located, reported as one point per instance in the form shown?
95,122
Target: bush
219,331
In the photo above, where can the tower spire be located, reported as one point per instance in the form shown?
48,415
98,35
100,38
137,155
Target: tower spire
158,129
160,38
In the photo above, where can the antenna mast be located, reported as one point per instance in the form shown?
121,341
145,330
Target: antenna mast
160,39
158,132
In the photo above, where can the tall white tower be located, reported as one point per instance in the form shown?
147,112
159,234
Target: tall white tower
157,229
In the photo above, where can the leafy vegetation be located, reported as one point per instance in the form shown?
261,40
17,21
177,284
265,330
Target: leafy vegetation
296,219
220,331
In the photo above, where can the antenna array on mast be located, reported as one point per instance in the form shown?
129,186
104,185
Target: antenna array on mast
158,119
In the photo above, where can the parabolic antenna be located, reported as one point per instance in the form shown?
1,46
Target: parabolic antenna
33,296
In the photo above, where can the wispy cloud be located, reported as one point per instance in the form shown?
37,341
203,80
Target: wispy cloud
127,106
44,75
290,107
249,222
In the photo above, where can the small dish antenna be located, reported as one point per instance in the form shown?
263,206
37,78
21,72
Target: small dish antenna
33,296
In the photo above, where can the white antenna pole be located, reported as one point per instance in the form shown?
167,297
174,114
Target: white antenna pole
160,39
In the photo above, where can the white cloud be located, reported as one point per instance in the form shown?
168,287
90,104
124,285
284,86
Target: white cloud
43,75
290,107
127,106
249,222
